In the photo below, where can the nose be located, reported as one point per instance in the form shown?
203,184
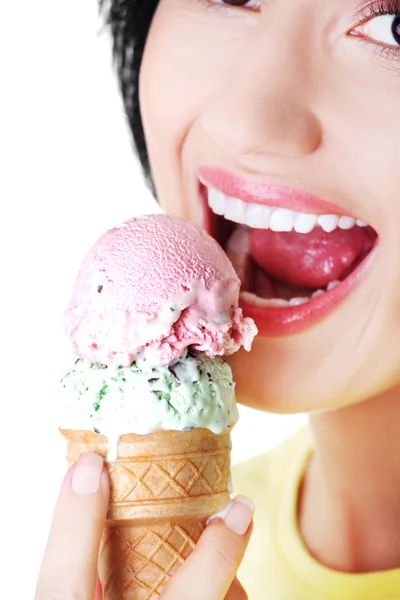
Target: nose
264,106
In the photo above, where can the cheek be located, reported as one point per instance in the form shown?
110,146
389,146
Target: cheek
363,138
171,89
167,109
181,73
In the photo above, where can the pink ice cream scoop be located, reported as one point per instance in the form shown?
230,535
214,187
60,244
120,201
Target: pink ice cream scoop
150,288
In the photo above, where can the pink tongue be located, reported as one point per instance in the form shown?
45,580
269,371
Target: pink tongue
310,260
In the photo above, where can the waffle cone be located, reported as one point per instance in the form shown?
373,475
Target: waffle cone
164,486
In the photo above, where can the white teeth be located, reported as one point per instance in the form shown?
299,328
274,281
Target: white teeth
328,222
282,219
278,302
332,285
235,210
281,303
346,222
260,216
216,201
304,222
297,301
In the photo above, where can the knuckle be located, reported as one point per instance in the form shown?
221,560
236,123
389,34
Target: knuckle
227,555
227,549
222,548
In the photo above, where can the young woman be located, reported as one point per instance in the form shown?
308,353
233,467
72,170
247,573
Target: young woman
274,125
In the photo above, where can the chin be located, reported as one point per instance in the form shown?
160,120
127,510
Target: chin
276,377
280,385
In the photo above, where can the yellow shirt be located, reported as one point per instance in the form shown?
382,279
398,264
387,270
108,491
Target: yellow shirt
277,565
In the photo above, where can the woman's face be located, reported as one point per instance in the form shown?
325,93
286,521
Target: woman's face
275,126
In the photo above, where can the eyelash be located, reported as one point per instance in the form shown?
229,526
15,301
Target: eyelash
380,8
210,5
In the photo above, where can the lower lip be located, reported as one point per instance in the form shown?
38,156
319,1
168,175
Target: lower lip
282,321
278,322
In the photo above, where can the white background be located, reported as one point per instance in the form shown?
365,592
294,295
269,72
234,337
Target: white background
67,174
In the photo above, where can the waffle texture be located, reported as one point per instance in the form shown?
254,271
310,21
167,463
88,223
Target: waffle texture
164,486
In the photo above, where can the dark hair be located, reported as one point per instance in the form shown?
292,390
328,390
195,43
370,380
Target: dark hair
129,23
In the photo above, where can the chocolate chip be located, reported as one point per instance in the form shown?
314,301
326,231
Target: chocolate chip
171,370
191,352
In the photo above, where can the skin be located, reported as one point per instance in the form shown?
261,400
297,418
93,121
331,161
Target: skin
285,94
75,534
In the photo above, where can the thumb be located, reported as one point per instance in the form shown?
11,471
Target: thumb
69,567
213,564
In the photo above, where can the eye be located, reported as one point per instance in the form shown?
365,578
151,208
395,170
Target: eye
384,29
249,4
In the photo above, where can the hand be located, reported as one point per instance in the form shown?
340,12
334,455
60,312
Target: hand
210,570
69,568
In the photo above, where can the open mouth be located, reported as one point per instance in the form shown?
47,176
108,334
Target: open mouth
297,257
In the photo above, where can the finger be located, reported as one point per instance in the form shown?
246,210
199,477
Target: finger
211,568
98,594
236,591
69,567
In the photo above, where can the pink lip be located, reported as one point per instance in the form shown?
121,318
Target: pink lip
260,192
279,321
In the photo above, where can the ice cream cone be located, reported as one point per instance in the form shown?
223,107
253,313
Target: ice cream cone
164,486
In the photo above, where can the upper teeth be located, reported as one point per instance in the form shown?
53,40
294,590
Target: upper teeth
259,216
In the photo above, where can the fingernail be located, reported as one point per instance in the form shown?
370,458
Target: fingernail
222,513
86,476
239,515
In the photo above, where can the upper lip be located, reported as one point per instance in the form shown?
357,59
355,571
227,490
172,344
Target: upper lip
268,193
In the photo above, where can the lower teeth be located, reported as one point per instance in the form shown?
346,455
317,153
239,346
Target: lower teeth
329,287
280,302
297,301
